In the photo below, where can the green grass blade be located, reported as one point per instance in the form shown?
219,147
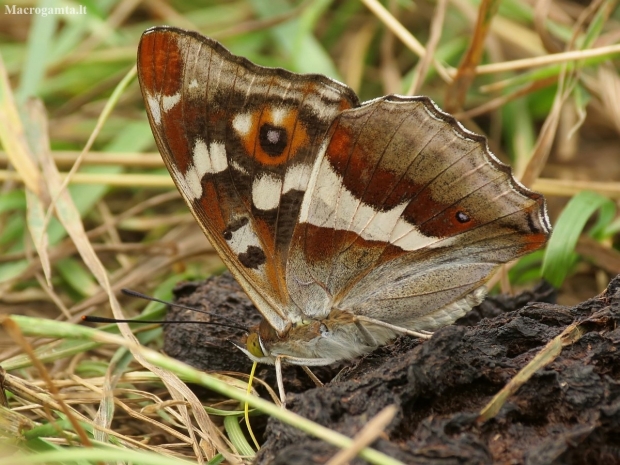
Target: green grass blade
236,436
560,253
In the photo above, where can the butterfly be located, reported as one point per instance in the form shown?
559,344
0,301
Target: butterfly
346,223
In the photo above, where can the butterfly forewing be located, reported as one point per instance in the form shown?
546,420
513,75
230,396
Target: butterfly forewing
407,213
240,141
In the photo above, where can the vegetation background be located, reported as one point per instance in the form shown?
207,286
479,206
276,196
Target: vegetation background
539,78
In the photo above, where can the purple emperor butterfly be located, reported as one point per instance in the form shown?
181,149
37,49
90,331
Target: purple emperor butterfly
346,223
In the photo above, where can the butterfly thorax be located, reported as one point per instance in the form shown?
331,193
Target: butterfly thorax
316,342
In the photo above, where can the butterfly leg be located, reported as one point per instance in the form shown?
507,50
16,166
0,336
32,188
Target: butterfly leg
368,338
312,376
278,364
399,329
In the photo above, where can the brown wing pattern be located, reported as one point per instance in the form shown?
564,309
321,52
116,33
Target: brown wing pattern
240,141
406,213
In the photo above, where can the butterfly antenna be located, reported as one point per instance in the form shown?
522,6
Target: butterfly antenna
139,295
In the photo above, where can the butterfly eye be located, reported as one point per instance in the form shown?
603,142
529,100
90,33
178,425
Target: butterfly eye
254,345
324,331
462,217
273,139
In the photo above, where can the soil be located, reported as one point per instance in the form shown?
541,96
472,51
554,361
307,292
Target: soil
567,413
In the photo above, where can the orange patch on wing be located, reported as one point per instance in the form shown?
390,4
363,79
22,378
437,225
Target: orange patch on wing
344,105
339,150
296,136
174,135
532,242
146,67
391,252
169,62
536,237
275,275
323,244
174,122
160,63
210,203
160,66
374,186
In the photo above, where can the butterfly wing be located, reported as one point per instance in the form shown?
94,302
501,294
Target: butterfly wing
240,141
406,216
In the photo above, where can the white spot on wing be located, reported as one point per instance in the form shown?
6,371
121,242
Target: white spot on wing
243,238
279,114
296,178
205,160
304,211
169,101
202,160
328,203
158,103
209,160
242,123
238,167
321,111
413,239
153,103
190,183
379,225
193,84
266,192
219,162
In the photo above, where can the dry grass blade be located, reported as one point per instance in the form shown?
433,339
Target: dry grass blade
116,180
556,58
457,91
395,26
403,34
18,337
431,47
604,256
129,159
70,218
498,102
570,187
538,160
37,223
543,358
110,103
541,14
20,152
356,50
13,136
610,92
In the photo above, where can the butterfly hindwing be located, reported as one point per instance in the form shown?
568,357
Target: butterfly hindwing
240,141
407,213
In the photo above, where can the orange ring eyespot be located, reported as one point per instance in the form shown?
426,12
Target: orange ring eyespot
253,345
